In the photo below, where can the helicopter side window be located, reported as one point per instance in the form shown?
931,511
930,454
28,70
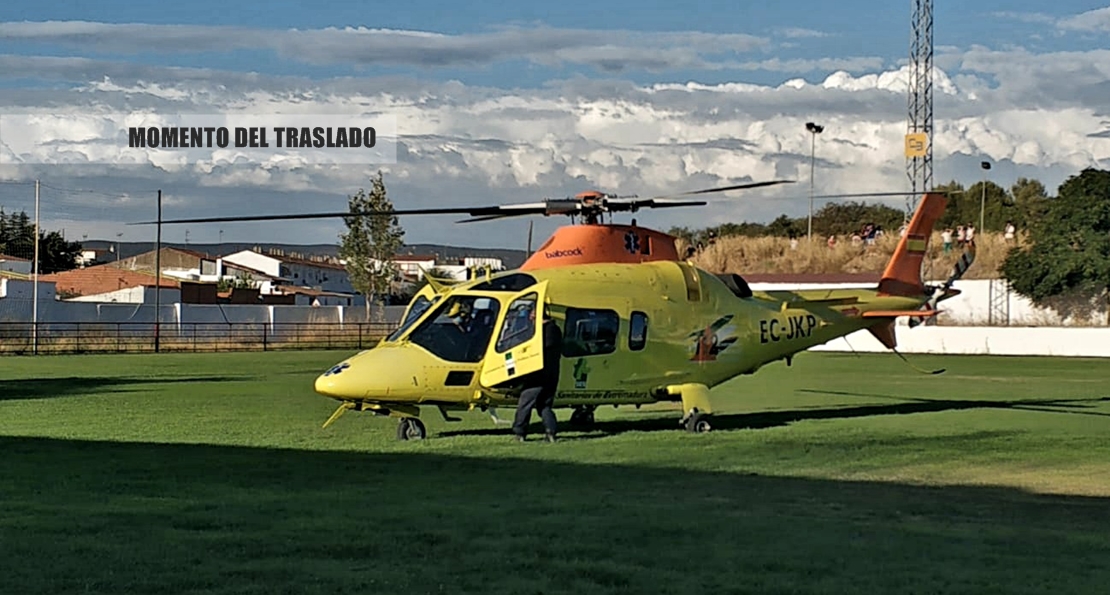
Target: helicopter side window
460,329
520,323
637,331
590,332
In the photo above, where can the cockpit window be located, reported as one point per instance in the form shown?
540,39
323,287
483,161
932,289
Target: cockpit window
460,329
419,306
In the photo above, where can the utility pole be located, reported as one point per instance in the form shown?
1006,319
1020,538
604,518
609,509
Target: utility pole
814,130
35,281
158,278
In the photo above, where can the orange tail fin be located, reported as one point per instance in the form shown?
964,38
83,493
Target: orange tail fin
902,276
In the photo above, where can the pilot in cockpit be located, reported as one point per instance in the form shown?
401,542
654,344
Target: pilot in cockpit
460,314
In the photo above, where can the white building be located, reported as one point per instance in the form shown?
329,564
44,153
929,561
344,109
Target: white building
316,273
140,294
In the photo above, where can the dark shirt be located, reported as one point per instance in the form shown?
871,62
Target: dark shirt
552,351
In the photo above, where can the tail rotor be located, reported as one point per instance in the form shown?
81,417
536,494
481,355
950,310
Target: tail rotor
962,264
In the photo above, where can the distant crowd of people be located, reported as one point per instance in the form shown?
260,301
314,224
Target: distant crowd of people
870,232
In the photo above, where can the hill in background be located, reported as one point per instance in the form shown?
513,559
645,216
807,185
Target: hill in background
511,258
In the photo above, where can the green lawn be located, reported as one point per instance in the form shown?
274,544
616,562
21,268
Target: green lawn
209,473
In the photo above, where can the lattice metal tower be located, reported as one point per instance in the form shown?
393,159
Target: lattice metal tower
919,132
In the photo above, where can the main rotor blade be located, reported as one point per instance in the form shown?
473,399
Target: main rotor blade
869,194
473,211
727,188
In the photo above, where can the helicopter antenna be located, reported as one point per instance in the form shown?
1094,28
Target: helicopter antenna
913,367
530,239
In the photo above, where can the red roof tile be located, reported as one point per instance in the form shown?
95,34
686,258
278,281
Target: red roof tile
103,279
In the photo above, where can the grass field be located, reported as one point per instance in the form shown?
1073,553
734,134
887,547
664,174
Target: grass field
209,473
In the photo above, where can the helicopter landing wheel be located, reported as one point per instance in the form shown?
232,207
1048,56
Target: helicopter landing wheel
698,422
582,417
411,429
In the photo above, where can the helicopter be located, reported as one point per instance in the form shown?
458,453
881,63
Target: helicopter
640,325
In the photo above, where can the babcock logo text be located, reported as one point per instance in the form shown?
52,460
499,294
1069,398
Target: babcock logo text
562,253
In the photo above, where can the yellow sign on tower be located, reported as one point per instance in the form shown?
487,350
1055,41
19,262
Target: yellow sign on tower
915,144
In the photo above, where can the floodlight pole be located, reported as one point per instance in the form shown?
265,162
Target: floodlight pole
814,130
158,278
35,280
812,167
983,199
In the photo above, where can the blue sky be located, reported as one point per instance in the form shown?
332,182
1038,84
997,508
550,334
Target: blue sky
853,27
515,102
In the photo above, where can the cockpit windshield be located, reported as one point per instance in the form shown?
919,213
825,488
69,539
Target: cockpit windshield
419,306
460,329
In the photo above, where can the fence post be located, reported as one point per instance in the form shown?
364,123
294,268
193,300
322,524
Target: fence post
264,337
360,336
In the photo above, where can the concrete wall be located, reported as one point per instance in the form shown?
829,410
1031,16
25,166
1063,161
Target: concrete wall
25,290
1073,342
16,266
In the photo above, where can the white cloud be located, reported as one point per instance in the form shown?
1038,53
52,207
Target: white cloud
1097,20
1025,17
1094,21
1035,115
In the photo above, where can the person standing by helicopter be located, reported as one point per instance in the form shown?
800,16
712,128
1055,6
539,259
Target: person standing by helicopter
540,387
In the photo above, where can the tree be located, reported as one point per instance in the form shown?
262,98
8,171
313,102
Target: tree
17,238
1030,201
370,244
56,254
1069,245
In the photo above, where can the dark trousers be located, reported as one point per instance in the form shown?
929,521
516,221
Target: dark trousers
540,398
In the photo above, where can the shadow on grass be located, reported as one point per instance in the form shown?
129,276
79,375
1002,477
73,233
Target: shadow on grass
43,388
771,419
158,518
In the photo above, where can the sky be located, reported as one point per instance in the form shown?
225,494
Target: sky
514,103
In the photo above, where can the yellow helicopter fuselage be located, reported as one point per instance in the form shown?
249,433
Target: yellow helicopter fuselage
633,334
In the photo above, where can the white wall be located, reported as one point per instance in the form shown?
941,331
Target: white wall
1055,341
131,295
20,289
16,266
68,312
322,277
973,305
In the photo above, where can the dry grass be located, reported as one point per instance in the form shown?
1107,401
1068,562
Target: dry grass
743,255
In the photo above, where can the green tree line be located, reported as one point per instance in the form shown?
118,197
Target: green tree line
1024,202
17,238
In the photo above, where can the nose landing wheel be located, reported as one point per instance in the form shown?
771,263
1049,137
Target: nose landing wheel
411,428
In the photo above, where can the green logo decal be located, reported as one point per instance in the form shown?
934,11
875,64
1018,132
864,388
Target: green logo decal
581,373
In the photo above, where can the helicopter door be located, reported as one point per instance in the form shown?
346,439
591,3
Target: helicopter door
517,348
